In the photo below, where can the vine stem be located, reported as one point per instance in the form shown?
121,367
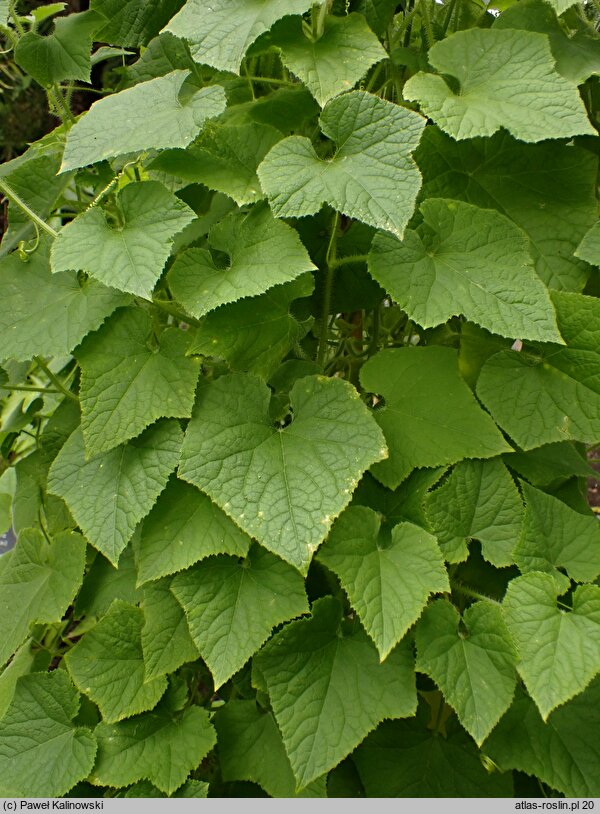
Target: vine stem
27,388
8,192
350,258
466,590
330,260
54,379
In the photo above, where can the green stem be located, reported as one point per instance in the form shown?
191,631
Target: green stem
8,191
466,590
61,105
28,388
330,260
348,259
424,12
15,18
270,81
54,379
374,332
448,16
169,308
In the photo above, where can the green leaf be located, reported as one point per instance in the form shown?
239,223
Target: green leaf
478,501
38,584
263,252
556,537
120,124
388,578
553,394
589,248
559,648
104,583
133,22
166,640
225,158
129,256
472,660
41,753
62,55
563,752
470,261
220,35
550,465
111,493
107,664
372,177
45,314
287,109
544,188
314,675
127,383
407,759
430,417
164,54
336,61
255,333
379,13
250,748
560,6
577,55
159,746
526,96
232,606
27,659
283,486
185,526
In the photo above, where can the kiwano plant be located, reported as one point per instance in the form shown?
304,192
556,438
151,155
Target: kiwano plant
299,330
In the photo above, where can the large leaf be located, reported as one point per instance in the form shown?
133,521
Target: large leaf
388,579
589,248
556,537
63,54
283,486
133,22
250,748
120,123
335,61
127,383
104,583
225,158
255,333
161,746
111,493
263,252
525,95
314,675
41,752
472,660
552,394
545,189
559,648
130,255
372,177
430,416
563,752
480,501
185,526
107,664
407,759
232,605
38,584
45,314
465,260
166,640
577,55
220,34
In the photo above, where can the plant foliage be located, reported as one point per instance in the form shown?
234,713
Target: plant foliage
299,335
